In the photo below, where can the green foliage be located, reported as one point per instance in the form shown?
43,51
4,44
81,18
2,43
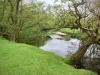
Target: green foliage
22,59
82,36
35,19
62,18
30,19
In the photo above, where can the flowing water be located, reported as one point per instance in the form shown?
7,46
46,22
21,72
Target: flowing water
58,45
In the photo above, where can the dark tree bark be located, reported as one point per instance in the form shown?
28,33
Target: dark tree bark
76,57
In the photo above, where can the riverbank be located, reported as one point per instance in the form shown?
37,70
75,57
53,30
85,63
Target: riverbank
74,33
70,31
23,59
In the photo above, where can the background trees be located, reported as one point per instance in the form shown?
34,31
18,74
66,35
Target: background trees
20,21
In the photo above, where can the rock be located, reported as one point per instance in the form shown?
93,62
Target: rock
60,33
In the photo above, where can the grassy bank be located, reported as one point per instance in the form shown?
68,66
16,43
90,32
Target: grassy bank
75,33
70,31
22,59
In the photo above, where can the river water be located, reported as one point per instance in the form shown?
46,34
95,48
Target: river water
60,46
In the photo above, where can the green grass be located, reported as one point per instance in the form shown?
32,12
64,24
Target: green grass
76,33
70,31
22,59
67,60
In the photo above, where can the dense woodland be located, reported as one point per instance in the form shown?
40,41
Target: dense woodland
20,21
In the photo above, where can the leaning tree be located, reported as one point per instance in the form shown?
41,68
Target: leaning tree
87,18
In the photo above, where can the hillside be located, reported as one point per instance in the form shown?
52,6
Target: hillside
23,59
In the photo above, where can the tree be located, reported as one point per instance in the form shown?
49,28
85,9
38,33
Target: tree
62,18
14,19
87,19
37,20
19,19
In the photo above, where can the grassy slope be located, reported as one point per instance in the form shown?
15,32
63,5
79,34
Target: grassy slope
22,59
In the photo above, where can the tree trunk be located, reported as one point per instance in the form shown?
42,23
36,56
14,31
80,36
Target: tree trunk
14,13
13,38
15,34
76,57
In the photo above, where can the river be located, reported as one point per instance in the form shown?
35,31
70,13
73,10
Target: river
60,45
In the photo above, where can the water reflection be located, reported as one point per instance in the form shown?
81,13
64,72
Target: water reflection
91,60
61,47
